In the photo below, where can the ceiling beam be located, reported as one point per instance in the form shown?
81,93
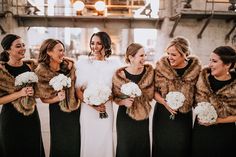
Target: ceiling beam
87,21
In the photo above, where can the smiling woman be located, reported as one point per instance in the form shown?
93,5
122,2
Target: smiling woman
63,105
133,113
20,130
217,85
176,72
94,73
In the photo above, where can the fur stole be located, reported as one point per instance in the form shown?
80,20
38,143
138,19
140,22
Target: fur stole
7,86
44,90
167,80
90,71
141,106
224,100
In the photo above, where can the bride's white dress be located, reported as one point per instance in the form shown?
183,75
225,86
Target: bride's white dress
96,133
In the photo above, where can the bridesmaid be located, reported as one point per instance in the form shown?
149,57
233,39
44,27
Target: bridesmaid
175,72
64,118
217,85
133,113
20,129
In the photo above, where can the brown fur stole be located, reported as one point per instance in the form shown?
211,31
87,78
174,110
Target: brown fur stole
224,100
141,106
167,80
7,86
44,90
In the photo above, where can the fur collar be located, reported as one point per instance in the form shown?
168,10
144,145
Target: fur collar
141,107
223,100
167,71
167,80
44,90
93,71
7,86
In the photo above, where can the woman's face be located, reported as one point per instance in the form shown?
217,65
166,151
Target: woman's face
17,49
175,58
57,53
97,48
138,59
218,68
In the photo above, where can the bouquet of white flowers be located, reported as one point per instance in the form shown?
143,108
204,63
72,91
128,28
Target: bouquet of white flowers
60,82
175,100
97,94
26,78
130,89
205,112
23,80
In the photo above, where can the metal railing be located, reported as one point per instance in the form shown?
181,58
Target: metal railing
24,7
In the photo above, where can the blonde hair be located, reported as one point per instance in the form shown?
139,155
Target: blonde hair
181,44
131,50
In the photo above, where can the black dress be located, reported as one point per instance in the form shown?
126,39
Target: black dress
132,136
65,132
21,135
214,140
171,138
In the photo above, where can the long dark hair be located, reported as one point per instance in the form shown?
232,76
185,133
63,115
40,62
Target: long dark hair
6,45
227,54
106,42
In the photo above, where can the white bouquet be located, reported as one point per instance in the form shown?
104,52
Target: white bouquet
175,100
26,78
205,112
60,81
23,80
131,89
97,94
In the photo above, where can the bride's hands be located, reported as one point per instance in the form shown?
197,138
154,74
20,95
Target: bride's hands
100,108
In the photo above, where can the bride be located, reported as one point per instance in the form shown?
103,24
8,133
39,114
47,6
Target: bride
96,120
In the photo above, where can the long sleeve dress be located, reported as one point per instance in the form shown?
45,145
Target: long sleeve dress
172,137
20,134
96,133
215,140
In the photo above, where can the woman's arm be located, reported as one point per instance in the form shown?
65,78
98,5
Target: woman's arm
161,100
80,93
60,96
26,91
229,119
